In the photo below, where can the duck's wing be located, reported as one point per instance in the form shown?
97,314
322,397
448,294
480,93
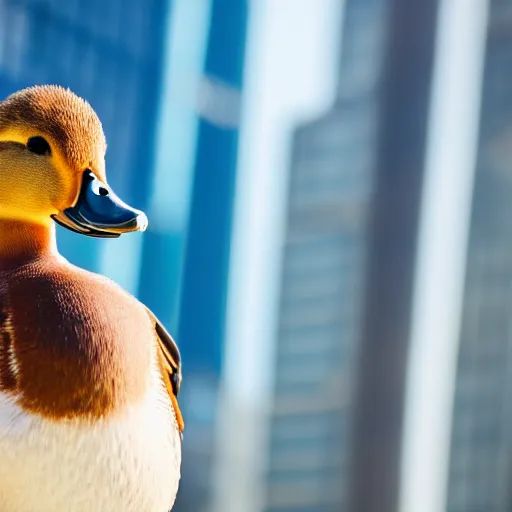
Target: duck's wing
169,361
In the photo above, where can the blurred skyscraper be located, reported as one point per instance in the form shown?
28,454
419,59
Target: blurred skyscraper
352,223
404,94
323,279
204,280
481,449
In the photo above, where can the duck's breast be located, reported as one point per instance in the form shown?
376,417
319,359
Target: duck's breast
128,462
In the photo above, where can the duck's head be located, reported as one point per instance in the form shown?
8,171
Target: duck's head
52,165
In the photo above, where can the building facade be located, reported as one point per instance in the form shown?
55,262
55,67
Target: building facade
323,280
350,245
481,445
206,252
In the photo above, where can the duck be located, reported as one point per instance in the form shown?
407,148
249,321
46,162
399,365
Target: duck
89,377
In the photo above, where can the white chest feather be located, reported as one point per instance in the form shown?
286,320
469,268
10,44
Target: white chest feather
129,463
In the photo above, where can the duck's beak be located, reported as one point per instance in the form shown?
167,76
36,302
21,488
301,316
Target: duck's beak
99,212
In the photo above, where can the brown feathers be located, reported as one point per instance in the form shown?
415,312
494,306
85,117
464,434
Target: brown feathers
74,342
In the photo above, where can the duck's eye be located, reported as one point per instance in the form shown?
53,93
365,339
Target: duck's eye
39,145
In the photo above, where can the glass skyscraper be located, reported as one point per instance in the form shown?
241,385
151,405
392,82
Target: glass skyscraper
481,446
202,312
323,280
348,262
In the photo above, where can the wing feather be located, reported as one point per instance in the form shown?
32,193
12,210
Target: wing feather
170,365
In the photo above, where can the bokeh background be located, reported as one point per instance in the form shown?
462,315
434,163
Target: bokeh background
329,189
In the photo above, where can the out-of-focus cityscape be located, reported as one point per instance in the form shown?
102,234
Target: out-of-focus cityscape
329,190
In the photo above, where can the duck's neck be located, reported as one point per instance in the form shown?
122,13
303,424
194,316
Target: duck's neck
22,243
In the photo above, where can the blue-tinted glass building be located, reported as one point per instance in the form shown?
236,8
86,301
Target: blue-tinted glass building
335,423
207,248
480,469
331,186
